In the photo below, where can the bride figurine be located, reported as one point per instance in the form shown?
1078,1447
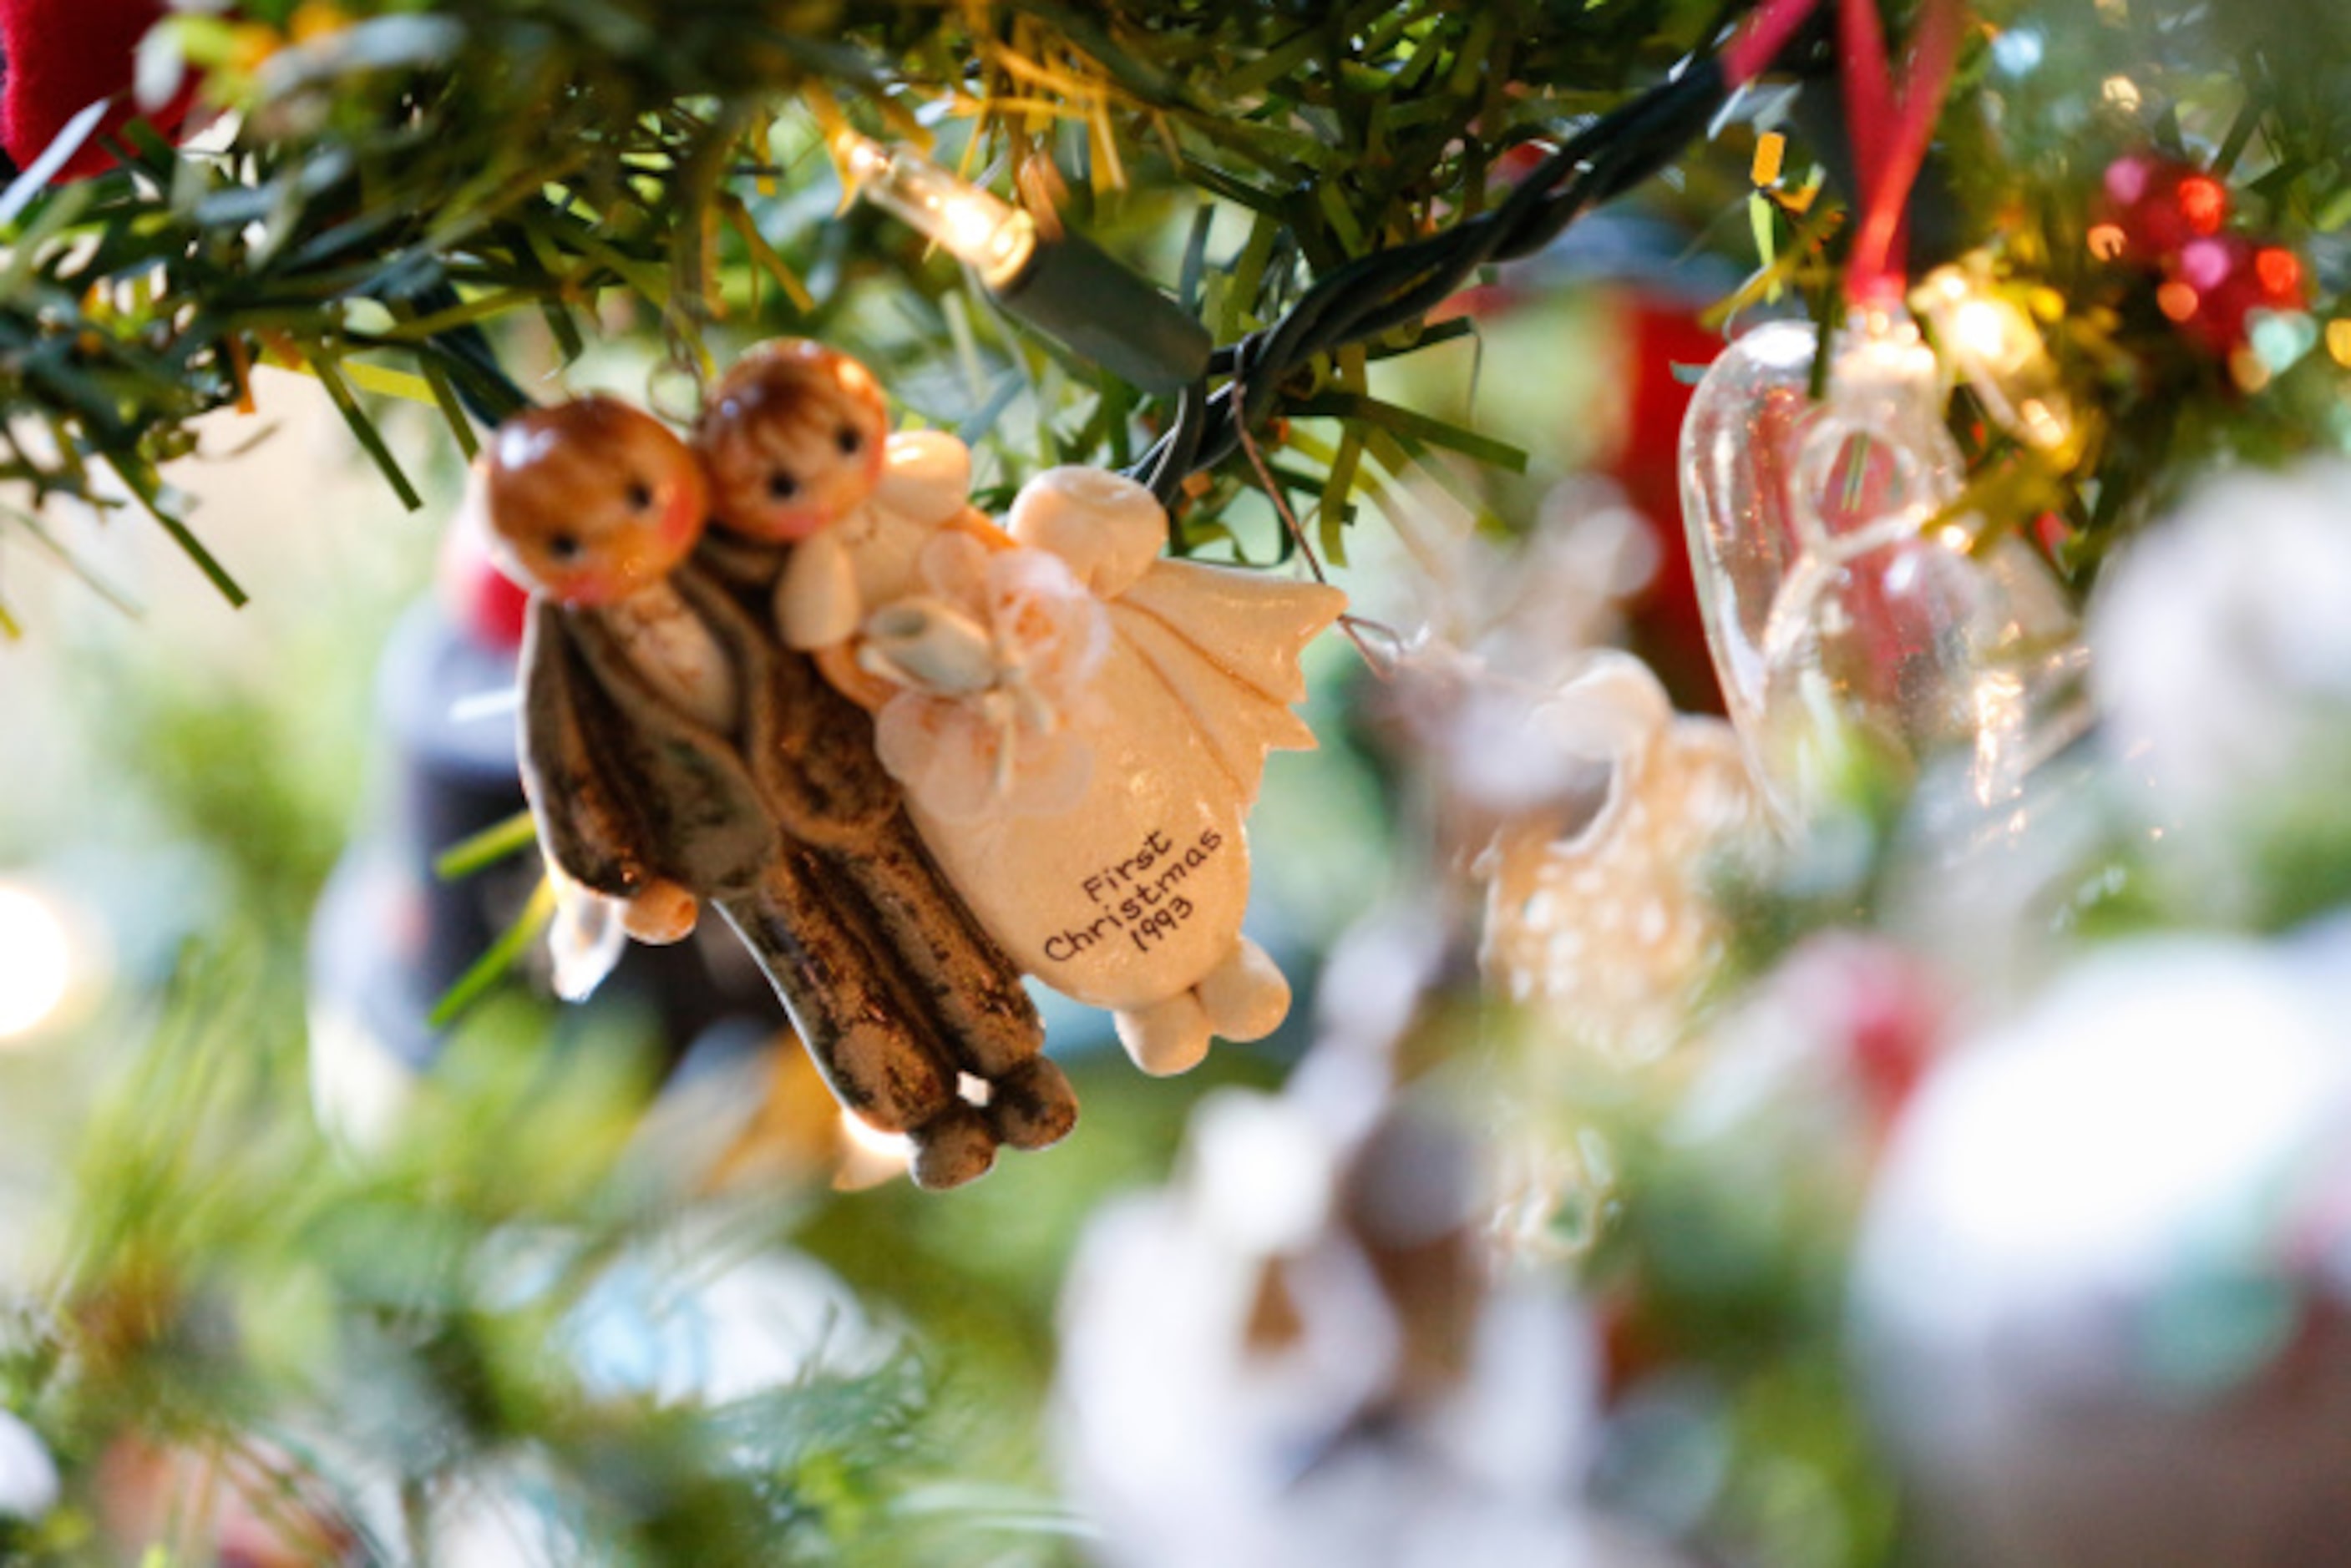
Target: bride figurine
1080,726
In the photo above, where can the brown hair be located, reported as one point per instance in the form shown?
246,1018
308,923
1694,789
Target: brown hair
786,385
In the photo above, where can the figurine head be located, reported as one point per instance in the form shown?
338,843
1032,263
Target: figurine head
589,500
792,440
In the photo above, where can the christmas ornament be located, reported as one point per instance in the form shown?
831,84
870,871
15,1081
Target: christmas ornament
672,754
2171,218
2223,679
2216,285
2153,207
1607,924
63,56
1080,726
1301,1351
1844,600
2100,1299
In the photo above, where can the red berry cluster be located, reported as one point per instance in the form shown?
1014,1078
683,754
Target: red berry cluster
2171,218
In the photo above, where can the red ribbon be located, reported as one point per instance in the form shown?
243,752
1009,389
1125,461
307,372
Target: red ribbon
1889,124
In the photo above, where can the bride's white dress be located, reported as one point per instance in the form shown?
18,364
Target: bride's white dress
1091,801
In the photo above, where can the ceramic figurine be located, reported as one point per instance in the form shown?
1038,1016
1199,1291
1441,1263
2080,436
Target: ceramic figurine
1081,727
1607,921
673,754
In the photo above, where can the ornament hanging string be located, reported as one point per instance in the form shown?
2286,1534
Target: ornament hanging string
1761,39
1890,124
1891,127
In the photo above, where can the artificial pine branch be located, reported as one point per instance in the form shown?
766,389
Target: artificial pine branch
399,177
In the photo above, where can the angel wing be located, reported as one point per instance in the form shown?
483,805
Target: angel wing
1228,643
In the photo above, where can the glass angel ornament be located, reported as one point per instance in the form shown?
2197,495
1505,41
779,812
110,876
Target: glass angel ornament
1610,925
1845,605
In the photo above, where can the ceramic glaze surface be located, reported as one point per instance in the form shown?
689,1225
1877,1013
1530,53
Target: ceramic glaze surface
1133,893
1138,889
1080,727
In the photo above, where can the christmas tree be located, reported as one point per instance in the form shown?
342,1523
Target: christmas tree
1818,1026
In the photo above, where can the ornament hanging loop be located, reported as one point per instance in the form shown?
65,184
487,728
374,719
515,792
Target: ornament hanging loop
677,384
1891,124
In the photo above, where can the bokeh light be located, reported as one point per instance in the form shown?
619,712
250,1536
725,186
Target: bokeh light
36,961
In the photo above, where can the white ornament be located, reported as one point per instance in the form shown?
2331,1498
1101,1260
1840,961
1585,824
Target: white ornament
2223,642
1843,601
1246,1380
2102,1295
28,1477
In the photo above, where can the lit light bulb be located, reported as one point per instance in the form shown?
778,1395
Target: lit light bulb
1062,285
1995,346
36,961
992,236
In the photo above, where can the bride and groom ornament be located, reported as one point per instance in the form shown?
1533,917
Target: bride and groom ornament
788,670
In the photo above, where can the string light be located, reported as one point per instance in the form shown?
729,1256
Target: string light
1993,344
1061,284
992,237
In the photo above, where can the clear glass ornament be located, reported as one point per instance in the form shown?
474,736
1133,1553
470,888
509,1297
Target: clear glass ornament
1847,609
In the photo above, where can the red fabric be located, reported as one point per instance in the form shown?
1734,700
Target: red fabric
485,603
1667,627
61,56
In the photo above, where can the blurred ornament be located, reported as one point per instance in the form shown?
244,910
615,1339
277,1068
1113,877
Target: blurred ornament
2223,651
2155,205
1297,1354
1846,606
2223,670
1607,924
52,961
28,1476
2170,217
2216,285
2103,1295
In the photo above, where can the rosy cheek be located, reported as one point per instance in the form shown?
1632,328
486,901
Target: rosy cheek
682,520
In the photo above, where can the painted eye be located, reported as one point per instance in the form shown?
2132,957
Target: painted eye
563,547
782,486
641,495
849,440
